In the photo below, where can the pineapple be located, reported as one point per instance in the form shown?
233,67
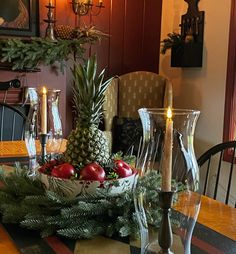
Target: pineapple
86,143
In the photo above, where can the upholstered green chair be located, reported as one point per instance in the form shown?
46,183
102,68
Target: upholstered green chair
129,92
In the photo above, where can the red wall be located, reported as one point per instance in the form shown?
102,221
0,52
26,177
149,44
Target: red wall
133,44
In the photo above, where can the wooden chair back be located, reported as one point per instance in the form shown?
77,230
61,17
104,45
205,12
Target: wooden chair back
12,123
13,110
218,173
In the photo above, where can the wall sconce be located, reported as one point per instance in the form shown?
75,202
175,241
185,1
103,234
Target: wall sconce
85,7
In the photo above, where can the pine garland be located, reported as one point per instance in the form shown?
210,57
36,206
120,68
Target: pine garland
28,54
24,200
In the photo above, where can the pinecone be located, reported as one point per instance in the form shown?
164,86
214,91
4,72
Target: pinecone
64,32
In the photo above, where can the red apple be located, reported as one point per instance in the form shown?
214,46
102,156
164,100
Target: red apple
93,171
64,170
122,168
56,173
47,167
53,163
42,169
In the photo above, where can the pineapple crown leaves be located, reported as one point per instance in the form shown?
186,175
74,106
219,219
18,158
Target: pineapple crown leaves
88,91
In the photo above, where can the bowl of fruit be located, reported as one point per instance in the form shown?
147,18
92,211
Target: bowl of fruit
87,145
91,179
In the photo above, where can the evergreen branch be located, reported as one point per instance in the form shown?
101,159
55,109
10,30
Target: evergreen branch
80,217
19,184
37,200
34,222
87,209
54,197
12,213
88,229
29,54
6,198
171,40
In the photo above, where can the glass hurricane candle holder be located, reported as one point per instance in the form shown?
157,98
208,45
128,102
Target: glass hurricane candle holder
31,129
167,143
43,119
55,136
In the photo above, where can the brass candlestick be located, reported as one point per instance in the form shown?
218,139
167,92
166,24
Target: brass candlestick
43,142
165,236
50,21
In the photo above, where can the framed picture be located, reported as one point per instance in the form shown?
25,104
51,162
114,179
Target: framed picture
19,18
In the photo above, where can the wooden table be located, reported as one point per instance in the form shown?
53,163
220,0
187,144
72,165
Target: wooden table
214,215
13,149
214,233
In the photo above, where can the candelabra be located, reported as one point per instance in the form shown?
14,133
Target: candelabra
50,21
86,7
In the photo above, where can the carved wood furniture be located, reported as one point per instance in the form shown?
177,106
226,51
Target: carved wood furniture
189,52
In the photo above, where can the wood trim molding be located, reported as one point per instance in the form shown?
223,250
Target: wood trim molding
230,93
13,96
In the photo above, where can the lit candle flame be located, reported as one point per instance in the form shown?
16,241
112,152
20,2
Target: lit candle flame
169,113
44,90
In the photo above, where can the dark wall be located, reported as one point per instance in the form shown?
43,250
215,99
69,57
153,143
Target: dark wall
133,44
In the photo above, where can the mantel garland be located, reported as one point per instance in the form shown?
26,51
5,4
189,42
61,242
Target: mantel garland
29,54
24,200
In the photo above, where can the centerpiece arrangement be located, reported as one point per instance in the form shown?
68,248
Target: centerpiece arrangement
87,164
88,191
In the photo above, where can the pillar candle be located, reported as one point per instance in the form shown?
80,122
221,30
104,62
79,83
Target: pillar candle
44,111
167,153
